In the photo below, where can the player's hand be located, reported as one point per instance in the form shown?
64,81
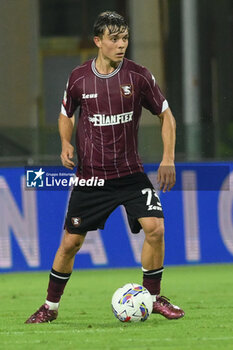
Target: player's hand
67,154
166,176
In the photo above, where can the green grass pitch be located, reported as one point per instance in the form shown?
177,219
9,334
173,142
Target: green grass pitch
86,321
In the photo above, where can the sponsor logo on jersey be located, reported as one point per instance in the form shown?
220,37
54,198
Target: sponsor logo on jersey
105,120
86,96
126,90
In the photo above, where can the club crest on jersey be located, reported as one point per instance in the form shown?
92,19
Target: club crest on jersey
126,90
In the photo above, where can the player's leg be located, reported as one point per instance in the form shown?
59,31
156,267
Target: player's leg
152,256
62,267
152,266
153,247
70,245
59,276
88,209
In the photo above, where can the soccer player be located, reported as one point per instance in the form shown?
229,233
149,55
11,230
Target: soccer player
110,92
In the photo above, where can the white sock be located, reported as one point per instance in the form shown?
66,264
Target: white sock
144,270
52,306
154,297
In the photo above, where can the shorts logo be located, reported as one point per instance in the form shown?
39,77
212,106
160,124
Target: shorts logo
126,90
76,221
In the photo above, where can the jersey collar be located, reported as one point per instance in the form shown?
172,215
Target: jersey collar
105,76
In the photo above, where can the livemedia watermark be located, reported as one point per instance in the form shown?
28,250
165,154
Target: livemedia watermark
57,178
189,177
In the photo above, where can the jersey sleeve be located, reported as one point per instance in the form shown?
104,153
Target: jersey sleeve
69,102
152,97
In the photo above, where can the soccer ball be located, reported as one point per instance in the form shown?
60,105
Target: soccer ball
132,303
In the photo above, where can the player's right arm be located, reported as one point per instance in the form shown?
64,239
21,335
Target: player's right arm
66,126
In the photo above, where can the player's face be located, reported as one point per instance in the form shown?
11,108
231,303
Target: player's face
113,46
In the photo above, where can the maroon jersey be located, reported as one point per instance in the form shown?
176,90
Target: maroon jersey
110,109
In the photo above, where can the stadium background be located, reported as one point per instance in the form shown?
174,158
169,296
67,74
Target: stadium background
188,46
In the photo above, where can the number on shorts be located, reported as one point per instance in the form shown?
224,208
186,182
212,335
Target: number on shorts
148,191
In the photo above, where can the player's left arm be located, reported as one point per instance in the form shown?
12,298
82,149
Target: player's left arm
154,101
166,172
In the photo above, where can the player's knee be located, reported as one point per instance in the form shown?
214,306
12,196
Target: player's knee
71,244
71,248
75,246
155,234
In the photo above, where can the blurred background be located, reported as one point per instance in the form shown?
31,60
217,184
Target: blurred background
186,44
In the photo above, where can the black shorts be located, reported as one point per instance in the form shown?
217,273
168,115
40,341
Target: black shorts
89,207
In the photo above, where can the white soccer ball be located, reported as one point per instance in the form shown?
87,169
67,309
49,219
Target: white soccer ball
132,303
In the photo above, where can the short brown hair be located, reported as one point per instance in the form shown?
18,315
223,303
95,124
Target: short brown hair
111,20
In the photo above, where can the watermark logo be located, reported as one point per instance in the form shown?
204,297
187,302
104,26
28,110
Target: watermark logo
57,178
34,178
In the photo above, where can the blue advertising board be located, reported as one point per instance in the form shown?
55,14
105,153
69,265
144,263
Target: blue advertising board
198,222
